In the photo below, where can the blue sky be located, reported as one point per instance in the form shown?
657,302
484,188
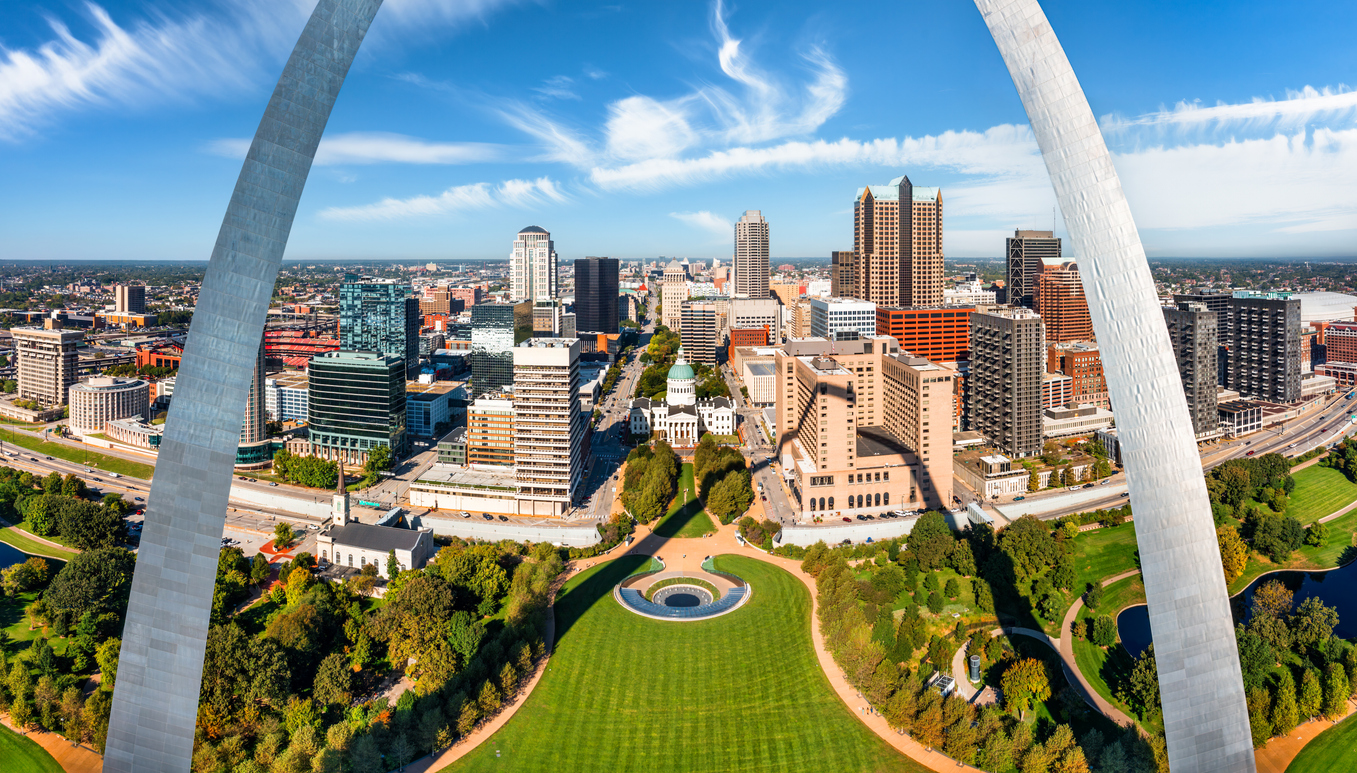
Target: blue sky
639,129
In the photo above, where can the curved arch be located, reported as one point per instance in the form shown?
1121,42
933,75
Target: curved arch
1205,715
155,701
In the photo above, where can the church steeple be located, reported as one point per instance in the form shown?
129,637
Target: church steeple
340,509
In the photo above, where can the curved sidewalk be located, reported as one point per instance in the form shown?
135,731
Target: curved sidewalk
1071,667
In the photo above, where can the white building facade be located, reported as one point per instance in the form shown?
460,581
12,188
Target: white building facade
681,418
842,319
532,266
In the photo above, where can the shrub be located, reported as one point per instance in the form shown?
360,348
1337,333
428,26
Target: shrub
1104,631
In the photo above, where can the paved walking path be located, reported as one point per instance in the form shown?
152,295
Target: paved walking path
71,757
1071,667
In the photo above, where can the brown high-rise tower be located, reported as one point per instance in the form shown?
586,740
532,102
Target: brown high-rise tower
898,247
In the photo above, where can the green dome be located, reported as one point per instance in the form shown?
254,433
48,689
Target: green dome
681,370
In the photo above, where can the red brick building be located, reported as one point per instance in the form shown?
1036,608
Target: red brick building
162,356
1082,362
939,334
749,336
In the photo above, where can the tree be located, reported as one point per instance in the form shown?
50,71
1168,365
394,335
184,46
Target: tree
283,535
1259,722
952,590
1094,597
260,569
1104,631
1025,682
107,658
393,565
1316,534
1313,623
1033,481
731,496
1234,554
1144,683
935,603
95,581
1336,691
1311,698
1285,715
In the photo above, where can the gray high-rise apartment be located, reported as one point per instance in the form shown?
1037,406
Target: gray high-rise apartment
700,331
1192,329
355,402
751,255
496,328
129,299
379,315
596,295
1026,250
1263,339
46,361
1214,301
254,445
1008,358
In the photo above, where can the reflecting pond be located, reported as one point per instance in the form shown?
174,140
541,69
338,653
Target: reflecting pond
1336,588
10,555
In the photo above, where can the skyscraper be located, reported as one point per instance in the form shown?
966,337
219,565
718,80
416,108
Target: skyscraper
898,248
1264,346
129,299
751,255
1026,251
532,266
495,329
356,402
841,274
378,315
549,427
46,362
1008,348
673,292
701,331
1060,302
1192,329
596,295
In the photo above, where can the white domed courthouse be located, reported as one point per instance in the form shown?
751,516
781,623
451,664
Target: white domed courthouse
680,418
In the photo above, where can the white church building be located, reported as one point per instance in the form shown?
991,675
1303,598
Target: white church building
350,544
681,418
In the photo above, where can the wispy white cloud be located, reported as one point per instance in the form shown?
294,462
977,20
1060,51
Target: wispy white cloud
558,87
1300,107
510,193
172,54
381,147
717,226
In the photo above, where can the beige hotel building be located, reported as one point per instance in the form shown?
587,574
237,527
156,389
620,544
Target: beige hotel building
863,428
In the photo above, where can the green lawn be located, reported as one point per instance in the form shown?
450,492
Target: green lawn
1104,553
1320,491
1332,750
685,518
22,755
627,693
28,544
1338,548
77,455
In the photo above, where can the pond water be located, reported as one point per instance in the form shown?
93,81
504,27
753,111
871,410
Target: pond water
682,600
10,555
1337,589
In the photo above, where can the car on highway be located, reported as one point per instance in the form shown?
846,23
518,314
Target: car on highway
48,458
32,458
313,526
1126,493
271,483
137,499
1250,453
88,470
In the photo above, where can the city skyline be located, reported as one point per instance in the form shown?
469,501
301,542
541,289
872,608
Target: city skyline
137,139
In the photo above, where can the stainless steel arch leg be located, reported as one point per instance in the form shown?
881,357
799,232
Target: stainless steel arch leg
155,701
1205,715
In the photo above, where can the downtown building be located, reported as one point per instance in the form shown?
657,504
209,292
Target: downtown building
1193,332
46,361
842,319
379,315
496,328
1004,389
100,400
254,449
550,430
862,428
532,266
1027,254
1083,364
751,255
1061,303
596,295
897,245
355,402
701,332
940,334
841,278
1263,342
129,299
673,292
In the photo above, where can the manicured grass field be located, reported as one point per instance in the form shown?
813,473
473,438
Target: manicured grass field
1338,548
1320,491
685,518
22,755
76,455
1101,666
1332,750
1104,553
627,693
29,545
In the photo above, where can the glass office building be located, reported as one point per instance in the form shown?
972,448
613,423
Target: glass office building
596,295
378,315
496,328
356,402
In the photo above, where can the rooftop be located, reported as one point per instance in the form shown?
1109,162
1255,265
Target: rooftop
470,478
378,538
875,441
761,368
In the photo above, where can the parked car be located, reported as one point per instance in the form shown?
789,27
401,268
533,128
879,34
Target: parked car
313,526
1018,499
271,483
504,518
465,514
847,519
487,516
